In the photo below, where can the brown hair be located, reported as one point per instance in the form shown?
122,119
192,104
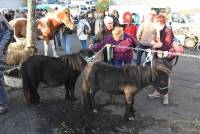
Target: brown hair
161,19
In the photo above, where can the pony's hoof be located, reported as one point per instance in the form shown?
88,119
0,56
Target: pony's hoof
95,111
131,118
56,56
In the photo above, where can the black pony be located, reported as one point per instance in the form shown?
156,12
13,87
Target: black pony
127,80
53,72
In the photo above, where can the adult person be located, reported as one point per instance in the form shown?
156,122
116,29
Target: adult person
145,34
5,36
62,36
119,39
99,22
115,16
103,33
7,15
165,43
80,30
130,28
18,14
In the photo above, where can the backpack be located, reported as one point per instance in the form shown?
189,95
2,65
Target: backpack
86,29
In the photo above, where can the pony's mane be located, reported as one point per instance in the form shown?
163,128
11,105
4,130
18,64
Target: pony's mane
20,45
52,14
145,75
73,60
142,75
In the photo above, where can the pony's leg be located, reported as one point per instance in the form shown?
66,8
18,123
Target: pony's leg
46,48
36,97
54,49
71,90
67,95
92,99
27,87
129,113
86,93
28,95
31,95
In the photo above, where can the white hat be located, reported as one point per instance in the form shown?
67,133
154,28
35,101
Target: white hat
152,12
108,19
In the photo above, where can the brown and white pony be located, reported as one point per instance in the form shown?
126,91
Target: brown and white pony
46,26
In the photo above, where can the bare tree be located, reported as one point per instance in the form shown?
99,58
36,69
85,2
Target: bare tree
31,25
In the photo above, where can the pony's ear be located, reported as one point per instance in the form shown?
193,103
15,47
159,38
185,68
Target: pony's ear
66,10
163,68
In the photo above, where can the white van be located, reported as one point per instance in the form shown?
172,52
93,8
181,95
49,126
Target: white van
77,9
89,4
184,29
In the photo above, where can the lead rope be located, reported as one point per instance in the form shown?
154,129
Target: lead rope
149,57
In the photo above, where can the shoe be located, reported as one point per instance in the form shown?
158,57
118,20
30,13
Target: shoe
153,96
165,99
3,108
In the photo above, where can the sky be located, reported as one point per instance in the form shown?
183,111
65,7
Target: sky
186,4
13,4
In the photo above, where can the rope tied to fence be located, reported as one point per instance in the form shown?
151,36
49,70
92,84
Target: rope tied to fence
148,51
160,52
149,58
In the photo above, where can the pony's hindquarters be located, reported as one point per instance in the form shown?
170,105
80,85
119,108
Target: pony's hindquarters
19,27
26,85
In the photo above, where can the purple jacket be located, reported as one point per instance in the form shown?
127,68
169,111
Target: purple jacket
119,53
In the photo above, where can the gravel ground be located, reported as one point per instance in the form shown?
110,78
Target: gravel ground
57,116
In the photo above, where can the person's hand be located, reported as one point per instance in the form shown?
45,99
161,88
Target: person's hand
91,45
157,45
62,30
153,42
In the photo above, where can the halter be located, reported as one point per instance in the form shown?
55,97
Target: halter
89,59
94,57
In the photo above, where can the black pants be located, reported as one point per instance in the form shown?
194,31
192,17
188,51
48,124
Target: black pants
164,80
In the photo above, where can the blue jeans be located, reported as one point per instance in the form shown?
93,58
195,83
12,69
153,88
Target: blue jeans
58,38
66,43
84,44
119,63
139,54
3,96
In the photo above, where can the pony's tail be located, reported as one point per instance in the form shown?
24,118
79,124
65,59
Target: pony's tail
28,94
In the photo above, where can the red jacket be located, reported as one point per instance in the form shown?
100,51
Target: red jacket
167,38
131,29
123,54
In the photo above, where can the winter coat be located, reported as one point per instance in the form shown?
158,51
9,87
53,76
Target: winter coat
100,36
119,53
131,29
167,38
5,33
80,29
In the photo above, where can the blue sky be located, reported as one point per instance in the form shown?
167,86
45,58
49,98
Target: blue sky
14,4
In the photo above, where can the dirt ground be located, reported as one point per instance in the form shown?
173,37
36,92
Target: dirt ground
57,116
54,115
